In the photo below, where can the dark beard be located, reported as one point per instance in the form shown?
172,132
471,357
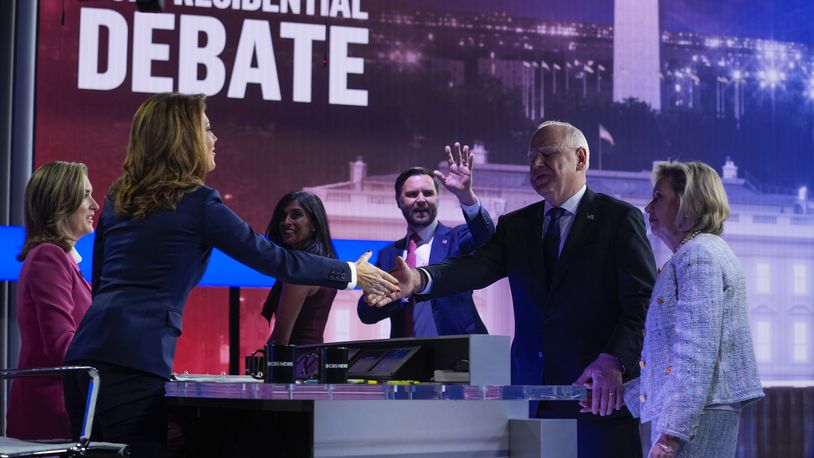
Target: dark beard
432,214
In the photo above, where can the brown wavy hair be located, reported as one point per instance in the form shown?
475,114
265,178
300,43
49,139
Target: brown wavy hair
53,193
166,157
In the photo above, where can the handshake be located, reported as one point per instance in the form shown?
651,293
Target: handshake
381,287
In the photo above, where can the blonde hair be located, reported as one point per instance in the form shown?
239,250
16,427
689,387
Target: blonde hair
703,205
53,193
166,157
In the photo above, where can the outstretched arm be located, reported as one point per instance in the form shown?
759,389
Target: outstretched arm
226,231
453,275
409,280
372,315
371,279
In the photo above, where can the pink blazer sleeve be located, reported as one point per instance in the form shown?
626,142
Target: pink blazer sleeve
50,285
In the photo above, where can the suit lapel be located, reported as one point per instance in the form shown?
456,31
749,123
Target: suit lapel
440,244
82,279
582,232
78,272
388,260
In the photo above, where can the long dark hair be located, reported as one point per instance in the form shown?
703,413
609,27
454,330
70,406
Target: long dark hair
320,243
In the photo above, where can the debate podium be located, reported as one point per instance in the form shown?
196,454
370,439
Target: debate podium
238,416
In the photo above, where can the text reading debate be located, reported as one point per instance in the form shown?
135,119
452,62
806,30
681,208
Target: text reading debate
201,41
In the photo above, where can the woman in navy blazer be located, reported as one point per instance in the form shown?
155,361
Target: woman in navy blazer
153,241
698,364
52,295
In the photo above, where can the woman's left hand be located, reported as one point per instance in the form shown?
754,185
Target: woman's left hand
665,447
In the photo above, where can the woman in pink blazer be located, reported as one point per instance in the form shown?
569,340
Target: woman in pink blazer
52,296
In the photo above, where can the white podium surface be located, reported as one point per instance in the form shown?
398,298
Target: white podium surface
401,421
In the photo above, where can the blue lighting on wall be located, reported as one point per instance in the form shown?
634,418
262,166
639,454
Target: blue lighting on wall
222,270
11,241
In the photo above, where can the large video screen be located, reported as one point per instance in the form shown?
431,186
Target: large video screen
339,96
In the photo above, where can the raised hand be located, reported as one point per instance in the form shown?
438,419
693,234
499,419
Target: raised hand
373,280
459,179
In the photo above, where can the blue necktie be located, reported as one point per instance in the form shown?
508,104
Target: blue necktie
551,243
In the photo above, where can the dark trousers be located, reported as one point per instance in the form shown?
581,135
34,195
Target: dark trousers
615,436
130,408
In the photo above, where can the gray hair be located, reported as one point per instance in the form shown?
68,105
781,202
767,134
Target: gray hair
571,138
702,202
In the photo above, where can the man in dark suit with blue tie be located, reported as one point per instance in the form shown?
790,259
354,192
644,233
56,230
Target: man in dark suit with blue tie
427,242
581,272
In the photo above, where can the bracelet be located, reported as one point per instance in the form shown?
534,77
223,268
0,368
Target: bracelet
665,448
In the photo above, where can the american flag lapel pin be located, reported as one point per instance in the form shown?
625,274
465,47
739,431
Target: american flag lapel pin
444,242
591,216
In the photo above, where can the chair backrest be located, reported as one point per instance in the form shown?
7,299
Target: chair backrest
93,390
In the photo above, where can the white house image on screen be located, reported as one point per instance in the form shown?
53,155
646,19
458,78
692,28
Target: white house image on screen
771,232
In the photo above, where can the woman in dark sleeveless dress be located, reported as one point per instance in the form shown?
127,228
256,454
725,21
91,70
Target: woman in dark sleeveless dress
300,312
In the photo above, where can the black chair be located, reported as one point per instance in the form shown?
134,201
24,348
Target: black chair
16,448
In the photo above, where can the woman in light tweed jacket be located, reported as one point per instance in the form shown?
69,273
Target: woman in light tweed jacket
698,364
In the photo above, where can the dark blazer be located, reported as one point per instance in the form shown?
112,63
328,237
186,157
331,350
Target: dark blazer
597,299
455,313
143,271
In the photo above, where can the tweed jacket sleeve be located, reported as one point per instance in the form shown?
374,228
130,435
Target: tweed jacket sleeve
696,341
632,390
